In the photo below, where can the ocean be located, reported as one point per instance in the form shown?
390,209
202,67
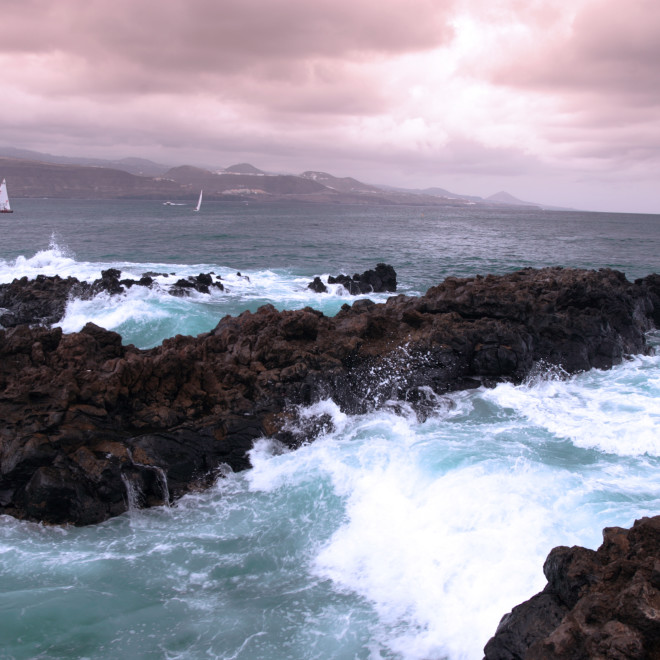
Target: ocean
387,538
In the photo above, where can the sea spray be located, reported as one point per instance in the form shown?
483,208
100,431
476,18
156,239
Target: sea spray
383,538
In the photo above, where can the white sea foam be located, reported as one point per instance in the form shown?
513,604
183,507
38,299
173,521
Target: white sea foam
145,317
111,312
446,524
617,411
290,291
441,551
55,260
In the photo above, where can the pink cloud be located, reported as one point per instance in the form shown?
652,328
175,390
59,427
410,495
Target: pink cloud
206,37
610,50
426,88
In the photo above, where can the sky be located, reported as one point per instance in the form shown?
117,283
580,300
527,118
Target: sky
553,101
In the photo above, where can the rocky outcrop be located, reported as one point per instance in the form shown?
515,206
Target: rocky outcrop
43,300
379,280
202,283
91,425
317,285
596,604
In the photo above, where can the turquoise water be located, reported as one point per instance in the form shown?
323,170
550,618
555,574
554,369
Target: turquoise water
385,538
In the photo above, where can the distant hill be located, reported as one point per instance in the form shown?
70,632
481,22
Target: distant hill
436,192
241,183
140,166
345,184
505,198
244,168
32,174
27,178
441,192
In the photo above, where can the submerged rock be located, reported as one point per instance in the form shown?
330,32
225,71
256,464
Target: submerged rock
596,604
92,426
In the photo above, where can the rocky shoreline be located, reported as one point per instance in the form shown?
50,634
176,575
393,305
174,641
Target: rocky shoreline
601,603
91,426
88,420
43,300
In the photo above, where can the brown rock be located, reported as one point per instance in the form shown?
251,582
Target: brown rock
606,603
181,410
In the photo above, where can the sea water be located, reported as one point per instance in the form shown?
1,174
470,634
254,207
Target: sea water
386,537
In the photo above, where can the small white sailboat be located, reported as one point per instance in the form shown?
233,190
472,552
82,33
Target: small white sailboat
4,198
199,201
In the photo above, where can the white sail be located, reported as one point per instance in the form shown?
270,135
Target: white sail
199,201
4,198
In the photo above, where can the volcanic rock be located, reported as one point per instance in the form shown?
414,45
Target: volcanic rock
200,283
381,279
91,426
43,300
317,285
596,604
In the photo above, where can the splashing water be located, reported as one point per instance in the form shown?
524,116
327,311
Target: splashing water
384,538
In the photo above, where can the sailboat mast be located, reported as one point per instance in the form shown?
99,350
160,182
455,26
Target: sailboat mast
199,201
4,198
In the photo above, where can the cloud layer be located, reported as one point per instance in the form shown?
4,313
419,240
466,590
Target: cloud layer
552,102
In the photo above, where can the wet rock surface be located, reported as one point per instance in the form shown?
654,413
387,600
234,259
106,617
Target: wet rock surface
43,300
379,280
596,604
90,425
202,283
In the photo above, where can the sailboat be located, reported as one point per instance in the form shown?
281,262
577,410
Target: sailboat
199,201
4,199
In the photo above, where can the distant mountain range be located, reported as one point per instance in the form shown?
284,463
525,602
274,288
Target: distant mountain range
34,174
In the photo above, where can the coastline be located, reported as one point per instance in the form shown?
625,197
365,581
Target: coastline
88,418
600,603
92,421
